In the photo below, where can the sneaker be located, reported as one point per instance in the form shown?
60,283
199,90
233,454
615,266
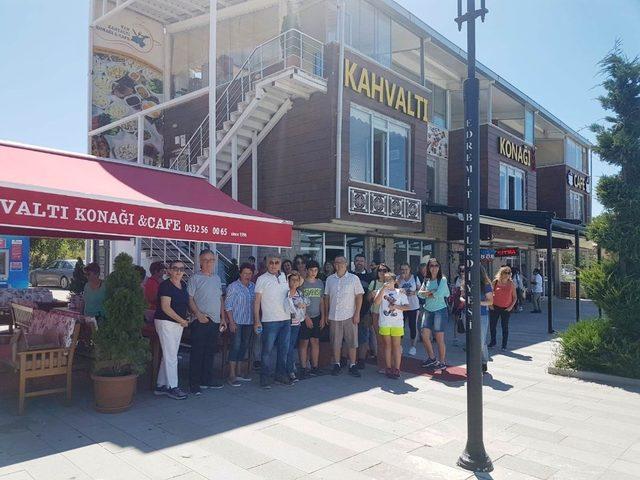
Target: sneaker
360,364
265,383
382,371
293,378
196,391
354,372
412,351
441,366
315,372
234,382
243,379
176,394
484,368
284,380
337,370
429,363
504,348
161,390
215,385
491,344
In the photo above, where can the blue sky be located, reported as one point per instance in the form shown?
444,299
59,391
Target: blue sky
547,48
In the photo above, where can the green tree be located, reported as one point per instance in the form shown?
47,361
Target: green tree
120,347
46,250
615,283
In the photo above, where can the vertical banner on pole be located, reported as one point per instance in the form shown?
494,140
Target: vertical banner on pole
474,457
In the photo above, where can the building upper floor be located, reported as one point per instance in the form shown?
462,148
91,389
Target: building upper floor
151,74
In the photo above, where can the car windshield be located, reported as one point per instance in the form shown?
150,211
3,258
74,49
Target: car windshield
51,266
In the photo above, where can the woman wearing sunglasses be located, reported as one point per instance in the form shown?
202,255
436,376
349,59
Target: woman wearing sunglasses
170,321
435,291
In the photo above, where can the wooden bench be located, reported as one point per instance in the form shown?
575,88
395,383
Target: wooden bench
38,362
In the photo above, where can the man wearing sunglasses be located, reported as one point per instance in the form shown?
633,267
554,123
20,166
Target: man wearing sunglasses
272,321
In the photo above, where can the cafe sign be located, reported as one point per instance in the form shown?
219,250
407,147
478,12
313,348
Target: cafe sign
376,87
579,182
518,153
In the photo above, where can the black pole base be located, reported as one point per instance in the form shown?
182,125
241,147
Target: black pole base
481,464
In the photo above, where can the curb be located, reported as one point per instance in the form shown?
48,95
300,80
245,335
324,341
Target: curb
594,376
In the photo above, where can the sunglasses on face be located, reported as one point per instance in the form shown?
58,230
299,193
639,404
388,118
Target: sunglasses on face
274,262
178,269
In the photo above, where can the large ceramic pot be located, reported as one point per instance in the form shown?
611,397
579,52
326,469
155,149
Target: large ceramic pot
114,394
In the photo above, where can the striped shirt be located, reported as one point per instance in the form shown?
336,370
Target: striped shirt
239,301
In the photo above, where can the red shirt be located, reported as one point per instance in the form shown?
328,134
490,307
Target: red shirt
503,294
151,292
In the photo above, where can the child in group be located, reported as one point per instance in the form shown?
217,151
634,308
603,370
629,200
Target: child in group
392,301
296,304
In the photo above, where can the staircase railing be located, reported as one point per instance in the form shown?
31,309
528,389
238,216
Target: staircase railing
291,48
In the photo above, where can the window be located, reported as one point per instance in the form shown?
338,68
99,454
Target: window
432,184
576,206
573,154
437,105
511,188
411,252
529,131
378,149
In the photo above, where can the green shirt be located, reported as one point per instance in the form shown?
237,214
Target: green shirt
94,300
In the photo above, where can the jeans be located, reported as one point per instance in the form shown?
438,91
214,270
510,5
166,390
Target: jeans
204,340
293,349
240,343
535,298
502,314
411,317
275,335
484,326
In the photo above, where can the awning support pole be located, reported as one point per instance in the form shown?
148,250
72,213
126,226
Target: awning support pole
254,182
550,277
577,265
138,241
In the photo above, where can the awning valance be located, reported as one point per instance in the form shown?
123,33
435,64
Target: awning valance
51,193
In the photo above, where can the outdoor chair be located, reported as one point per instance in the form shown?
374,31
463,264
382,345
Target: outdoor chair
45,348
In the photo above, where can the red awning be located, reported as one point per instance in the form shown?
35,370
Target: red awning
50,193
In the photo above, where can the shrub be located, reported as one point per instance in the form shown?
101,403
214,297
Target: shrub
598,346
120,347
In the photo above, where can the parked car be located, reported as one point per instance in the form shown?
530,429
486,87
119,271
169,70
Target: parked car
57,274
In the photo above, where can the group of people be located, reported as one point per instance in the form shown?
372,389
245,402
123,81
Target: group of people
289,307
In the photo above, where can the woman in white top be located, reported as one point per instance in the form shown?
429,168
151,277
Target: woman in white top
407,282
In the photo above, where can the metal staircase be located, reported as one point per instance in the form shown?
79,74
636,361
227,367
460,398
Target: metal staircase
278,71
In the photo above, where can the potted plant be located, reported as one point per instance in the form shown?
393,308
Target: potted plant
121,353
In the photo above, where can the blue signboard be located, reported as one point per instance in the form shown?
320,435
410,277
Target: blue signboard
14,262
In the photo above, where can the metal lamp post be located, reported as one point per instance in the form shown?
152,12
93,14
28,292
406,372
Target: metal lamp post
474,457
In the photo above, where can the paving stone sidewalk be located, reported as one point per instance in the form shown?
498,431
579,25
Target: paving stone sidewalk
537,426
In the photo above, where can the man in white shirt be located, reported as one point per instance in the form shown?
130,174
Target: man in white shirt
344,293
275,323
536,290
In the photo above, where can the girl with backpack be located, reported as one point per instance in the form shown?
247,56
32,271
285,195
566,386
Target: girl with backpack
435,291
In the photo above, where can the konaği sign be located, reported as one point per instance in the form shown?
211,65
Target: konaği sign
518,153
376,87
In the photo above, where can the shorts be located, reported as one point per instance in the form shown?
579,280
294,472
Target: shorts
391,331
343,330
435,321
306,333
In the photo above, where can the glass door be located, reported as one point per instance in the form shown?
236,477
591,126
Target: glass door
333,246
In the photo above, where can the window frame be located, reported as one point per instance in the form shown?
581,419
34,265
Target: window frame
504,196
433,163
576,198
373,125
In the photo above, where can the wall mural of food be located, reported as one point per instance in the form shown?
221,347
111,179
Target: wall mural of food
122,86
